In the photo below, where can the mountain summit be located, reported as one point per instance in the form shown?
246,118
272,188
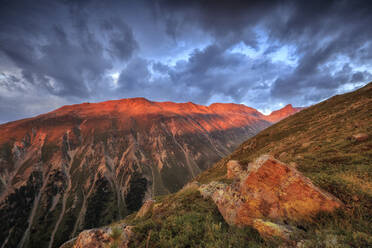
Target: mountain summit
86,165
282,113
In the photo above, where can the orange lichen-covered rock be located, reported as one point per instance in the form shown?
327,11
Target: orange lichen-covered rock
92,238
281,192
268,190
234,169
103,237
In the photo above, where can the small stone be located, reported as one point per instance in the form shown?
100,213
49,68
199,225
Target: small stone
306,144
360,137
269,229
293,164
299,157
283,155
301,244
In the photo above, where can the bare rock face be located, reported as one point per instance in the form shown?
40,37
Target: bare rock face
104,237
282,113
268,191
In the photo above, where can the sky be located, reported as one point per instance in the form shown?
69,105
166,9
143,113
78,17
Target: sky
264,54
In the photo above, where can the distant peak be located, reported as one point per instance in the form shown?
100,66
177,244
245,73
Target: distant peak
282,113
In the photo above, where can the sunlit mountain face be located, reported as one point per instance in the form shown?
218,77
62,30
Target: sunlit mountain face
264,54
86,165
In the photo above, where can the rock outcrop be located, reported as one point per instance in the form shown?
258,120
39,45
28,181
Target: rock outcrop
145,209
266,194
234,169
117,236
282,113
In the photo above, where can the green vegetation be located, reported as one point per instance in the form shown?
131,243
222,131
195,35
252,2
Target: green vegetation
136,192
116,236
15,219
320,141
102,206
47,151
185,219
6,152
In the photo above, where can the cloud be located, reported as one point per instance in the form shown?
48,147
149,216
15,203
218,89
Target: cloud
261,53
320,31
122,43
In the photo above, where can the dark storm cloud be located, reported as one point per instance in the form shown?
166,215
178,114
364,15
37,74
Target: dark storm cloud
319,31
59,50
122,43
322,31
262,53
220,18
205,75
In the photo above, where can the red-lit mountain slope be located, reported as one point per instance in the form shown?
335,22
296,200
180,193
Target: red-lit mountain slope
86,165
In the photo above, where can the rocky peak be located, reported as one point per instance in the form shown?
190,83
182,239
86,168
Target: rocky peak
282,113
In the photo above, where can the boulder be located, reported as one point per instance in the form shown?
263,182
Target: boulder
117,236
293,164
233,169
269,229
306,144
360,137
268,191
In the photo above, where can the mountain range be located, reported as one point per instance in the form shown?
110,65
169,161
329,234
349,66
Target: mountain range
87,165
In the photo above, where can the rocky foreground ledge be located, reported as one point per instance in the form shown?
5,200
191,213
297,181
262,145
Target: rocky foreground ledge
266,195
112,236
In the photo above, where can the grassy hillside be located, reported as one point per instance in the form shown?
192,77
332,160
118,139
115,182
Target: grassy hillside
319,142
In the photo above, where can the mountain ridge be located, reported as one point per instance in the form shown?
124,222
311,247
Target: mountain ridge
85,165
138,106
